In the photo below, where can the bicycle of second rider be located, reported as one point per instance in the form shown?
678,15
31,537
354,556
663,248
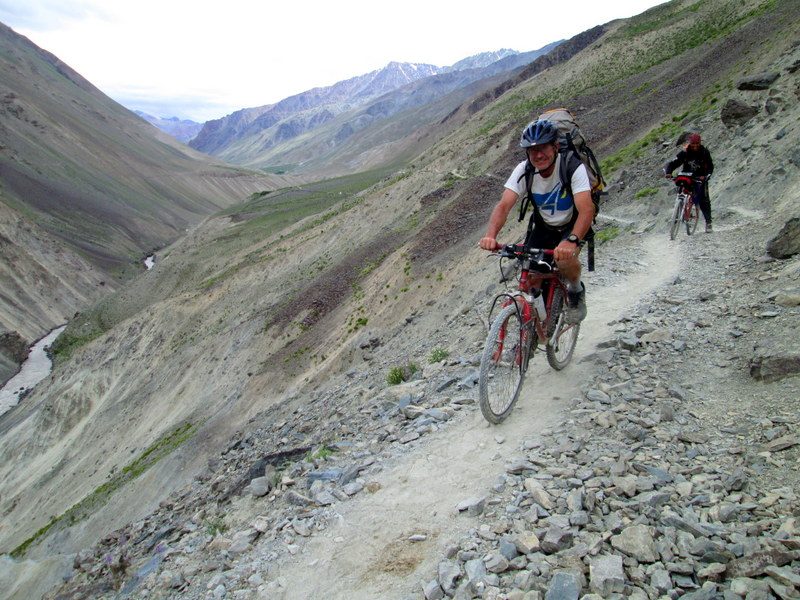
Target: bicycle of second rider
531,316
685,210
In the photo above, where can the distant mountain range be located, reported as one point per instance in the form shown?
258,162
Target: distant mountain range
182,130
299,132
389,78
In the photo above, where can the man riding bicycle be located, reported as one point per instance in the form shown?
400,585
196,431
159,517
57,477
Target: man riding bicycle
562,215
696,159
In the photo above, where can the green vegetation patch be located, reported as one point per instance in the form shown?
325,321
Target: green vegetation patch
655,19
90,504
401,373
679,30
87,327
667,130
704,25
682,29
438,355
323,452
267,213
280,169
606,234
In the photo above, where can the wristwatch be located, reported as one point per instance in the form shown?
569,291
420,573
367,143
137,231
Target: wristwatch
574,239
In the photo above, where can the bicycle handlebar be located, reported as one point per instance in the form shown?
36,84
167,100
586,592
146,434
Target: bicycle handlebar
521,251
535,255
691,176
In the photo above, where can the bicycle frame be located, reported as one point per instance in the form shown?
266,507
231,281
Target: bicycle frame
684,211
687,207
510,342
528,281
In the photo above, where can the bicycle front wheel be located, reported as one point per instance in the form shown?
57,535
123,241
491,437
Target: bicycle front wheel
561,336
692,218
503,365
676,218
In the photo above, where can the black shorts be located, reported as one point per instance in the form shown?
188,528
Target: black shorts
545,238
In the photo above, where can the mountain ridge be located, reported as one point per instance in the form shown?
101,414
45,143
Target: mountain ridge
182,130
357,89
246,135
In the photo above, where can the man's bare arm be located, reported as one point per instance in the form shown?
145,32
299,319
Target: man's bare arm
498,219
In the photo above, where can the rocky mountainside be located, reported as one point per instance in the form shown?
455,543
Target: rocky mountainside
232,430
88,189
182,130
279,136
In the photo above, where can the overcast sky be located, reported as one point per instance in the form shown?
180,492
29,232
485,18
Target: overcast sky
202,61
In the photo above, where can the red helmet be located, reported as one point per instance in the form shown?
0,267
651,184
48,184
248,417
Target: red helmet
694,138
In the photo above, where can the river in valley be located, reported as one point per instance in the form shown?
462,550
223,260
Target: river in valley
35,368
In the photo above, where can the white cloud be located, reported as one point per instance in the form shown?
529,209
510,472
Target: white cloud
206,62
43,15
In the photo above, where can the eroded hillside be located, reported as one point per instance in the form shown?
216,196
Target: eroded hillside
88,190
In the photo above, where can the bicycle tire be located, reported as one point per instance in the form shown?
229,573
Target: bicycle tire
561,336
694,219
676,218
503,364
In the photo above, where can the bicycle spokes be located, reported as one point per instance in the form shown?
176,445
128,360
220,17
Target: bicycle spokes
502,365
562,335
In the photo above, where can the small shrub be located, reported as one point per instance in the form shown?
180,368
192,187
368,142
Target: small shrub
214,525
438,355
395,376
399,374
321,453
646,192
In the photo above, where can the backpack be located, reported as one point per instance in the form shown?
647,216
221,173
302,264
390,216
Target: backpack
571,139
574,151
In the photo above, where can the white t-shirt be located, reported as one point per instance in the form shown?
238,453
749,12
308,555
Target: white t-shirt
555,206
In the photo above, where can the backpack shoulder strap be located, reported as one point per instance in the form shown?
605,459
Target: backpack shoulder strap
527,199
566,169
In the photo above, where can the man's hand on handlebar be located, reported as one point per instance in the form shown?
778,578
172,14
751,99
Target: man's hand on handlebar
490,244
566,250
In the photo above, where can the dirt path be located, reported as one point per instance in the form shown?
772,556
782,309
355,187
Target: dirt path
369,551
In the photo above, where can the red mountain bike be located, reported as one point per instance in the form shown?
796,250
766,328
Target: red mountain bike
530,317
686,210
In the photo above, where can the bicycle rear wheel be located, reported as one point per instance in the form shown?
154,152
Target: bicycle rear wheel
676,217
561,336
692,217
503,365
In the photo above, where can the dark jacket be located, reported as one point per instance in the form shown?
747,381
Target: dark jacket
697,162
